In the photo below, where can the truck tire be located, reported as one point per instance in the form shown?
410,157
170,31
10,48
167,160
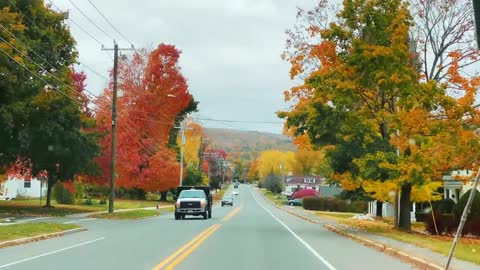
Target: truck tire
177,216
205,215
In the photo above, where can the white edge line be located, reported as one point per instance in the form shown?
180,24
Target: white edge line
51,252
315,253
78,220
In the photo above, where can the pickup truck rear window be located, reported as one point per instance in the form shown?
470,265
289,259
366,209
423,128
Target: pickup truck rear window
192,194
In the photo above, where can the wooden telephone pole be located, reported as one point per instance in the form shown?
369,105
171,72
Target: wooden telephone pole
111,197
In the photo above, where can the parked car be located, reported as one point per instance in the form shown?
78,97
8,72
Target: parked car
227,200
235,192
296,202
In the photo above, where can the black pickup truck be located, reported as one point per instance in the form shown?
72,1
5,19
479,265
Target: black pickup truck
193,201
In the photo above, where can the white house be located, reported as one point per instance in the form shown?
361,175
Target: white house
454,187
388,209
297,182
14,187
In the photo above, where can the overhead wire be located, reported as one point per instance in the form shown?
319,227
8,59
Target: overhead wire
72,98
108,21
77,101
43,80
35,63
90,20
77,25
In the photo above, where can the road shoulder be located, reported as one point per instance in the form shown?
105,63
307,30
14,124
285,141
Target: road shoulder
418,256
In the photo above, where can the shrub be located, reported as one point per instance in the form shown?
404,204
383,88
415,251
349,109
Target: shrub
472,226
61,194
445,224
474,210
152,196
103,201
273,183
88,201
334,205
445,206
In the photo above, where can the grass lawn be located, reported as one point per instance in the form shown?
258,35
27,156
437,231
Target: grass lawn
134,214
23,230
468,249
32,207
276,199
333,215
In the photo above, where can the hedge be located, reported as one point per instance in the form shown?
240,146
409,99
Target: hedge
334,205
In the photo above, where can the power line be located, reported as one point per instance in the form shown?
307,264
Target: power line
90,20
78,25
105,18
42,68
80,103
93,71
43,80
238,121
39,56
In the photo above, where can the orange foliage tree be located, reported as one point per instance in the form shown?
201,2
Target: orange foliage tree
363,91
153,93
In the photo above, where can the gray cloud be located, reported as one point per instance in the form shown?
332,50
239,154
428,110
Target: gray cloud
230,50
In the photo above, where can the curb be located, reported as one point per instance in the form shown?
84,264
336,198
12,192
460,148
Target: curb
399,254
39,237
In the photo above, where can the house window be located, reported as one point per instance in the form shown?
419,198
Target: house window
27,184
309,180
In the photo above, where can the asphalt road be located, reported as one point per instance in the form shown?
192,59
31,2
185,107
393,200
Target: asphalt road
251,235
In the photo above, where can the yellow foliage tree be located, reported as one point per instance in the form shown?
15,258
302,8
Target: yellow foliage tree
271,161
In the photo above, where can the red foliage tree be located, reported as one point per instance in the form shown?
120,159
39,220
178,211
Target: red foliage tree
153,93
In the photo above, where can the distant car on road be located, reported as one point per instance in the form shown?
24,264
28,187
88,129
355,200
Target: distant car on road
227,200
296,202
235,192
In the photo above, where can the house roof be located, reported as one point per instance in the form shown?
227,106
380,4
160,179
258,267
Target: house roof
300,180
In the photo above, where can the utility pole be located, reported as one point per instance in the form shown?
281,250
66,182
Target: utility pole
182,144
111,197
224,167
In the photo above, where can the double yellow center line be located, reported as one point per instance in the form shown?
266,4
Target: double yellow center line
231,214
178,256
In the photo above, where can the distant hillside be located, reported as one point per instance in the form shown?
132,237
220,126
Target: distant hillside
246,145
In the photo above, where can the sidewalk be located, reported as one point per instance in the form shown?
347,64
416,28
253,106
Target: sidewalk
398,246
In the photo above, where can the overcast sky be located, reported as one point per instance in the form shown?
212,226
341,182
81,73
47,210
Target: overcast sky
230,50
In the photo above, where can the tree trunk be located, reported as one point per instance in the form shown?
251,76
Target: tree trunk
163,196
404,222
379,209
49,194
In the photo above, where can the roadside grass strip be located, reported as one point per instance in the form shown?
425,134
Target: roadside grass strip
33,207
134,214
23,230
178,256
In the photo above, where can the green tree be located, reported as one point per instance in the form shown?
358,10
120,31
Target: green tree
194,177
367,86
44,126
57,142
